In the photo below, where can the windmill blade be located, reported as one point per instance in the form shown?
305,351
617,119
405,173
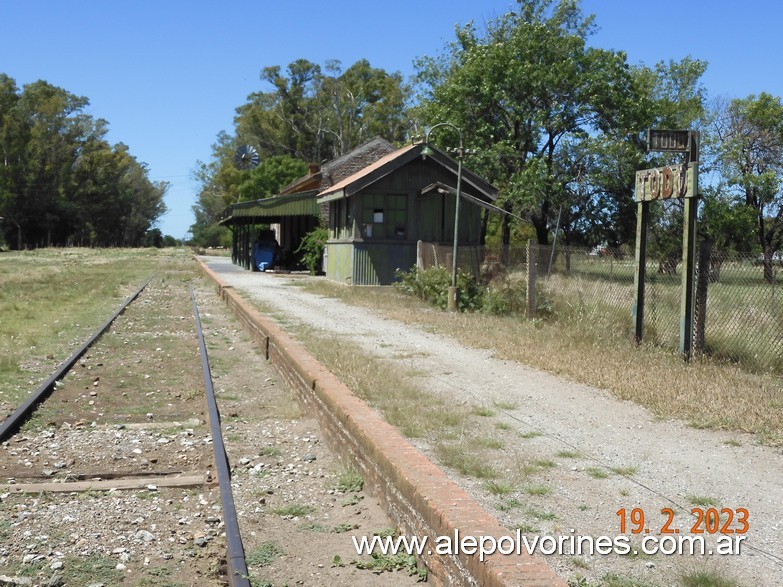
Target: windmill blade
246,157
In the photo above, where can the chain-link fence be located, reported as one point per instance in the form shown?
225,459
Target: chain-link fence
738,302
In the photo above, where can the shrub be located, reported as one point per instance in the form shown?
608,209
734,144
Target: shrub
432,285
312,249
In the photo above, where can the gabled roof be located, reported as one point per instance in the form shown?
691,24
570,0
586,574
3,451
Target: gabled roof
394,161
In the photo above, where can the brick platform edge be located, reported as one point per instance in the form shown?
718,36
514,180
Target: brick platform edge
416,494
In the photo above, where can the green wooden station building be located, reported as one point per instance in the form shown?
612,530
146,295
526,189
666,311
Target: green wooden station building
378,204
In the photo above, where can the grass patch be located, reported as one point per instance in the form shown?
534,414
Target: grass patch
416,413
615,580
703,501
490,443
498,487
597,473
482,411
624,471
509,504
506,405
294,510
92,569
349,481
265,554
706,579
531,434
466,463
536,489
525,528
540,515
569,454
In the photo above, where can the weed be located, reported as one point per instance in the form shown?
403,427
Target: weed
342,528
531,434
509,504
539,515
537,489
597,473
506,405
624,471
355,499
498,487
265,554
706,579
569,454
526,528
578,563
271,451
483,411
614,580
349,481
466,463
294,510
491,443
380,563
702,501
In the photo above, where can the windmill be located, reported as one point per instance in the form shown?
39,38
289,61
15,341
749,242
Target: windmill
246,157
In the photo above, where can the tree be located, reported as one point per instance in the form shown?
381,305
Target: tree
312,114
269,176
750,136
526,93
60,182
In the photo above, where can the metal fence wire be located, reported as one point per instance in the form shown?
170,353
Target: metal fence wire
738,305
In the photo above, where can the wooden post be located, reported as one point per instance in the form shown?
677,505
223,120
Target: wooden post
531,279
642,219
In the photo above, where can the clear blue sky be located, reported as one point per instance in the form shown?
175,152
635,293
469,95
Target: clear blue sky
168,74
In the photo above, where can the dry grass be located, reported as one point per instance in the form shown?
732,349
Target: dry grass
51,300
706,393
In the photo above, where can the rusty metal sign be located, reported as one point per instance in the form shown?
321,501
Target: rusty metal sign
663,183
669,141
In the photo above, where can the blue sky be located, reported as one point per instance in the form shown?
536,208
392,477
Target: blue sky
168,74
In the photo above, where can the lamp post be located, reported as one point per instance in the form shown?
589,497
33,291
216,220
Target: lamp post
453,290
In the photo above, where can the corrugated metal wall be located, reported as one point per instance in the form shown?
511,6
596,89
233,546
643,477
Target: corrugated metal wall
376,264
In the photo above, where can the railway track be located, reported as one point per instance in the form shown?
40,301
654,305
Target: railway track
101,433
112,479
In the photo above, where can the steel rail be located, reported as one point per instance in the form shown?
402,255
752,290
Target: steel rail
12,422
237,566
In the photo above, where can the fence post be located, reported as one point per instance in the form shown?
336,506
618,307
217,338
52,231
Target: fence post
642,220
531,279
700,311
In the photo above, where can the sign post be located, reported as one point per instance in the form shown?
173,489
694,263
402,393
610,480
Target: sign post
676,181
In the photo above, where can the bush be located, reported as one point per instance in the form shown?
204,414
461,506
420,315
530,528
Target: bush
504,297
432,285
312,249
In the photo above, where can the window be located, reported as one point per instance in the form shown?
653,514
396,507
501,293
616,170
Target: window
384,216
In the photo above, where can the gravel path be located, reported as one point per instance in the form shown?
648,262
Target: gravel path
648,463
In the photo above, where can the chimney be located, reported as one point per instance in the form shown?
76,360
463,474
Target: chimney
314,168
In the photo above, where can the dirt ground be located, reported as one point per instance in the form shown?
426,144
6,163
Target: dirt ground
577,456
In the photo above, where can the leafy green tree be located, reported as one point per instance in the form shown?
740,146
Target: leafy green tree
269,176
60,182
750,136
525,93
